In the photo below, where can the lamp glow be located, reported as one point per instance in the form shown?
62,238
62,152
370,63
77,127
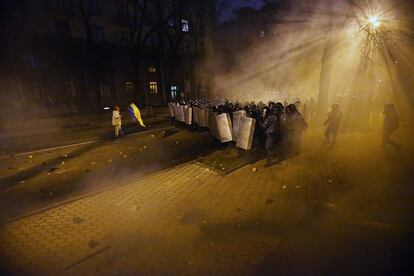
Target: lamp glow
374,21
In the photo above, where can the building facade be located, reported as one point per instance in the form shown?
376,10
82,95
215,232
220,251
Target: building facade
65,57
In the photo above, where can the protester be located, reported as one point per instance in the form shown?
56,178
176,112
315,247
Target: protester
391,123
332,124
116,120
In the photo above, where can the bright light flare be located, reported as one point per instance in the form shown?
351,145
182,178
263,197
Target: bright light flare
374,21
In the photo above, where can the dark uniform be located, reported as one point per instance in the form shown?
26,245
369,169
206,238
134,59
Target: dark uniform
332,124
295,126
271,129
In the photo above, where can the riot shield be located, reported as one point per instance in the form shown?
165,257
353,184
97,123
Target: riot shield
237,120
195,115
245,135
212,124
224,126
171,109
188,115
203,117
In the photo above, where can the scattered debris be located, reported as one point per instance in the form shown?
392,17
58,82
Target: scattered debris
30,156
152,135
78,220
66,155
93,244
134,208
110,160
176,142
125,156
254,170
145,147
297,187
93,163
63,163
52,169
330,181
205,222
284,186
239,225
22,182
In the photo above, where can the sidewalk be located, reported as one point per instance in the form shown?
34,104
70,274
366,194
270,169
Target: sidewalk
189,220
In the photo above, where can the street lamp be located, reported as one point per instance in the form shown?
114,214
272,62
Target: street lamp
374,21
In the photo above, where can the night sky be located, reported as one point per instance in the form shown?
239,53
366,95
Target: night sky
236,4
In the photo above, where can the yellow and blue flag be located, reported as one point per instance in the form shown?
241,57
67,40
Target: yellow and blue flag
135,114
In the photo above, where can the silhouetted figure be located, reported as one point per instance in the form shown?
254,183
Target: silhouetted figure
332,124
295,126
391,123
271,128
116,120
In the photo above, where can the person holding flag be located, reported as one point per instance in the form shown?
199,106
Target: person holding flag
135,114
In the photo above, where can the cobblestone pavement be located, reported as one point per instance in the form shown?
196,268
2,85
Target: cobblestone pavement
183,220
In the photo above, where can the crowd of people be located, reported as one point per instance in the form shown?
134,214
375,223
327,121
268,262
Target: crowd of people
278,128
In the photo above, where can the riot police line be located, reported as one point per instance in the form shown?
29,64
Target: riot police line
274,130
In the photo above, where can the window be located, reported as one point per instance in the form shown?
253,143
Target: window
37,91
31,61
104,90
262,34
125,38
129,87
63,30
171,22
153,85
185,26
174,91
72,88
97,33
152,68
123,10
94,7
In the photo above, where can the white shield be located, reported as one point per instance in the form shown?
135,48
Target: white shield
224,126
171,109
188,115
245,136
237,120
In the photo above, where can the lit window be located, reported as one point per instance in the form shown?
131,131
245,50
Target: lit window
262,34
174,91
152,69
129,86
153,85
171,22
185,26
